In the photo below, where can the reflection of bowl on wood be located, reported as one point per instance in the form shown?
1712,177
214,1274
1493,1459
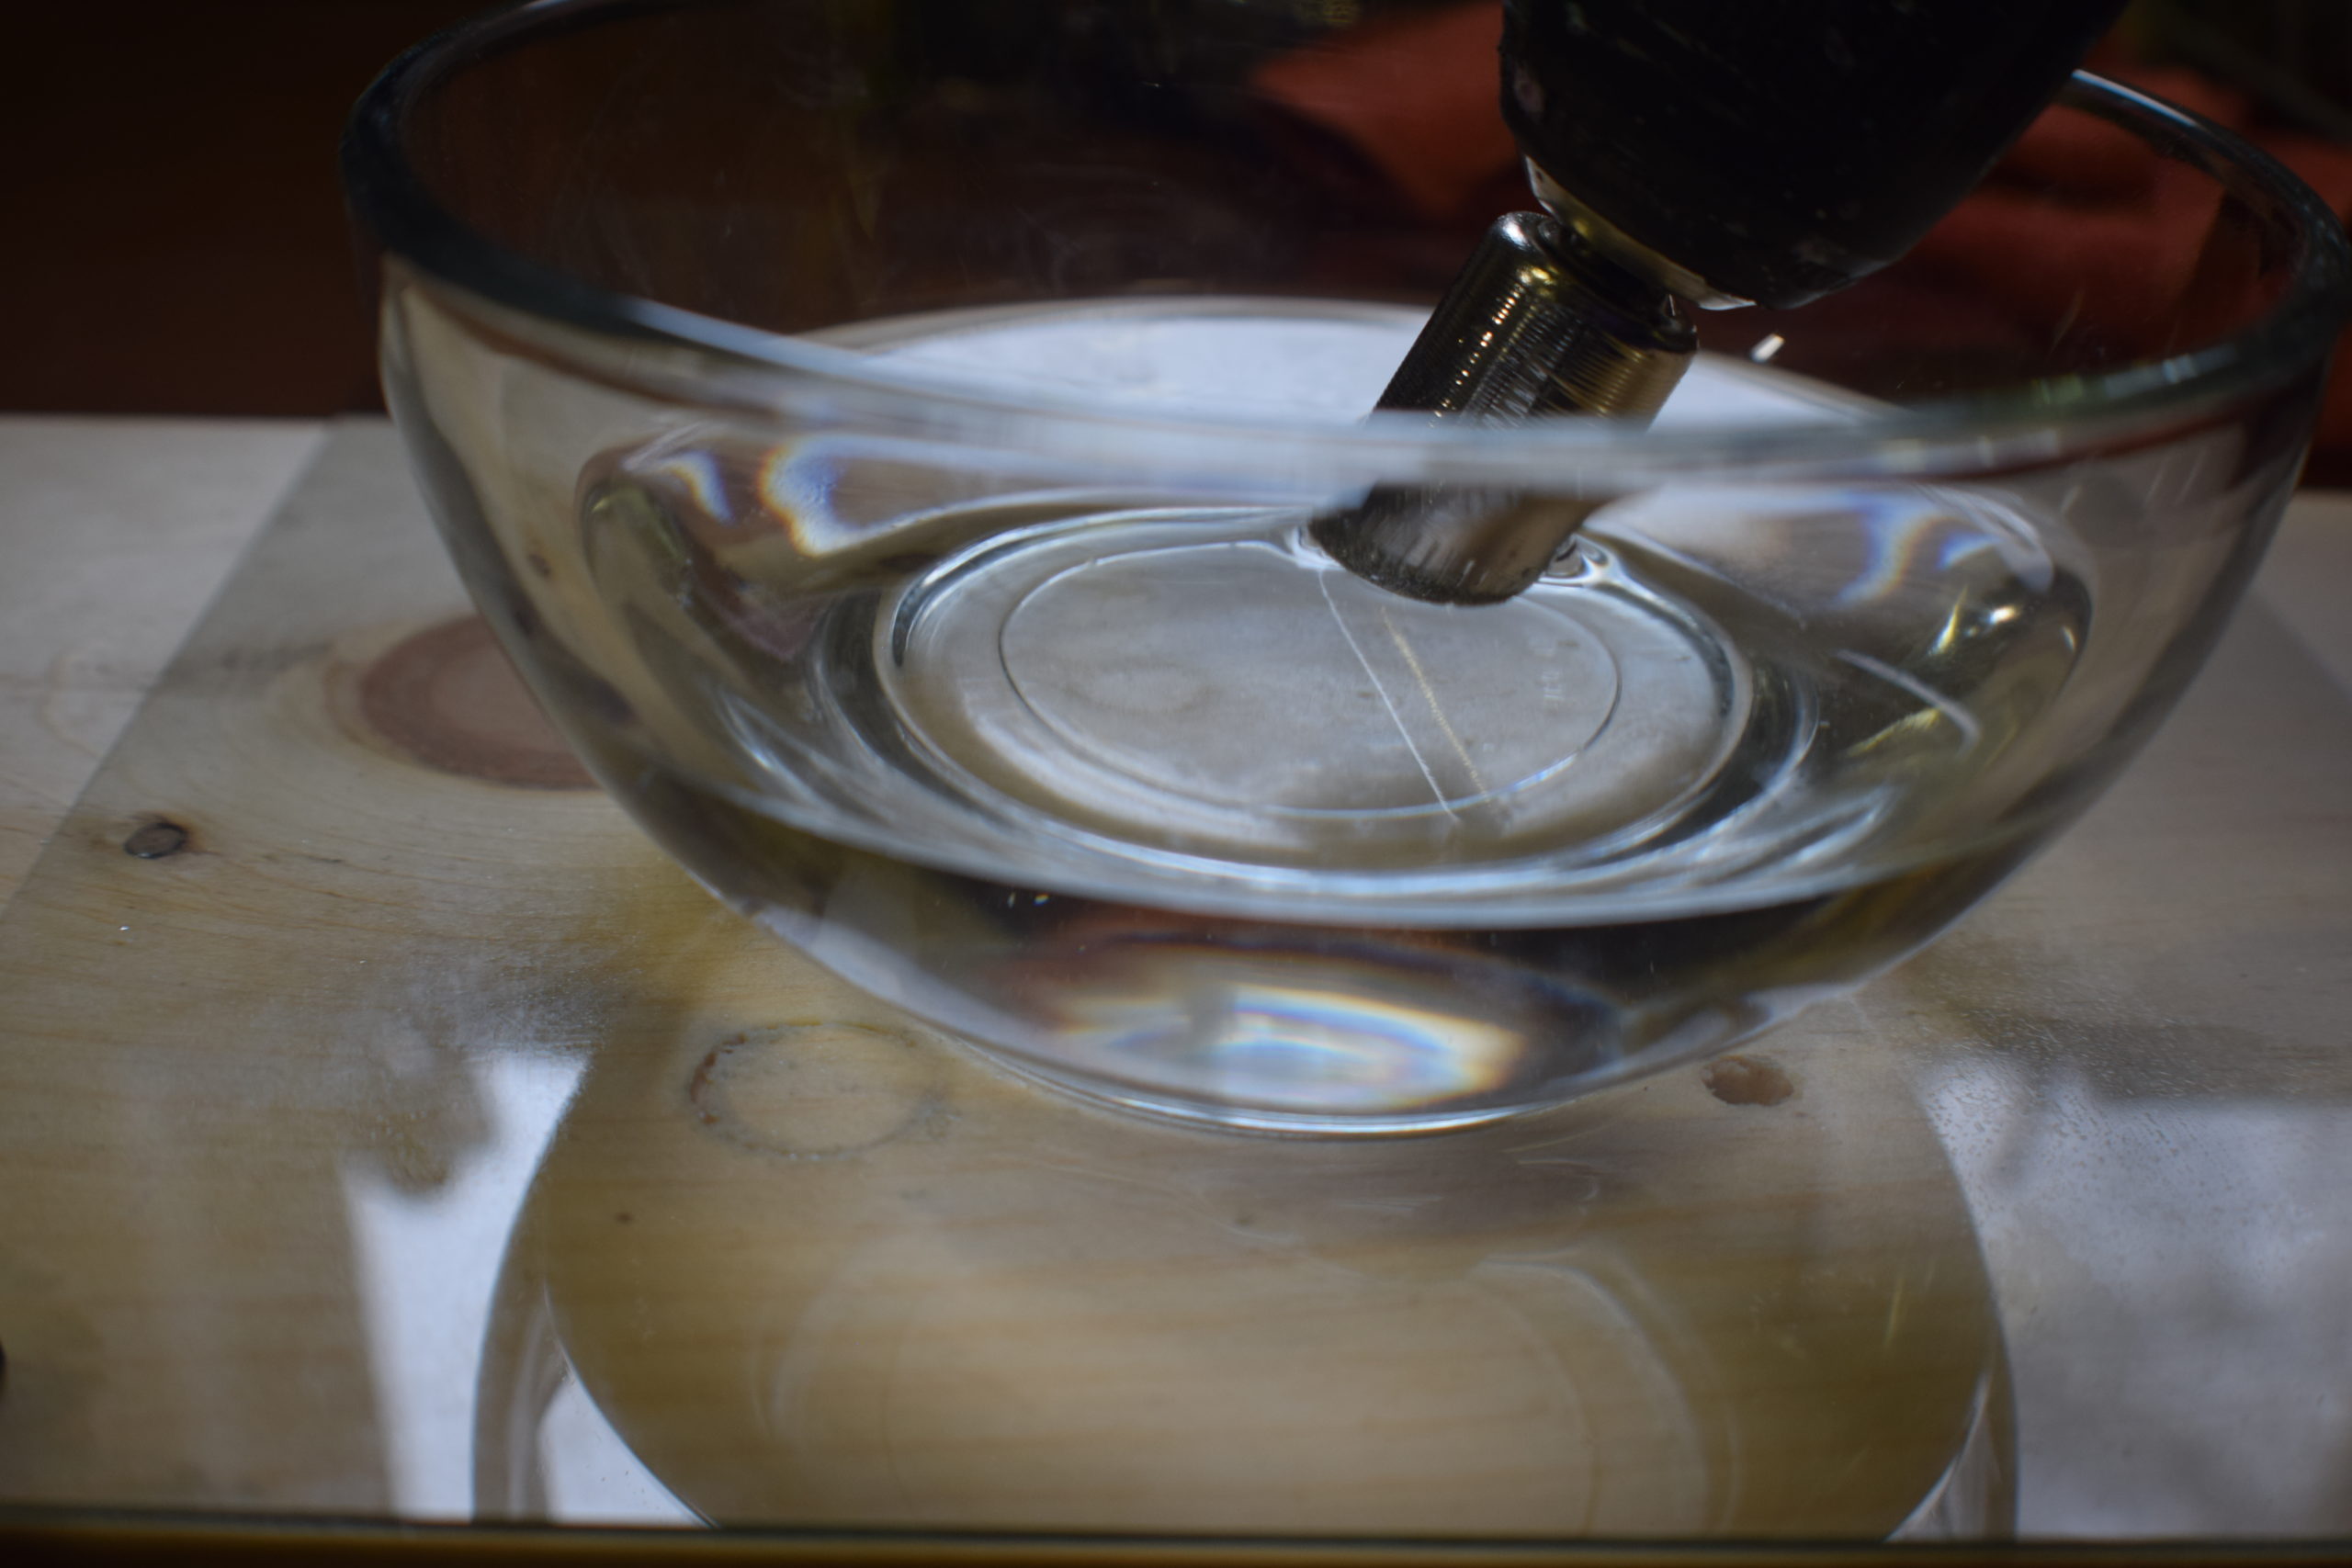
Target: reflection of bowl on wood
925,1296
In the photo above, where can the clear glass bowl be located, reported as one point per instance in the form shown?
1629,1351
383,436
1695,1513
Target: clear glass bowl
883,439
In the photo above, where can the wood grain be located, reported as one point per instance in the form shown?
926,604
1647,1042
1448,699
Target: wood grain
115,535
812,1266
1100,1324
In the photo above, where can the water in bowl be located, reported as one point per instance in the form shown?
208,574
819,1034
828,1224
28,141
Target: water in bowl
1143,794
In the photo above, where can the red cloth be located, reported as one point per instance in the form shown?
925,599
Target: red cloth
1415,93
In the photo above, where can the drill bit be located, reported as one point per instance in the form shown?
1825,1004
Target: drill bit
1537,323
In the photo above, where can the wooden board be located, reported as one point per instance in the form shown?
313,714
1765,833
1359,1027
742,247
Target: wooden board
114,533
279,1082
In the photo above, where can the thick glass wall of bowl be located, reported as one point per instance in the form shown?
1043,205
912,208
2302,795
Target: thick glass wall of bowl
732,620
728,579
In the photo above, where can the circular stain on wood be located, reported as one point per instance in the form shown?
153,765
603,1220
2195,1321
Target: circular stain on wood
1748,1080
814,1090
449,698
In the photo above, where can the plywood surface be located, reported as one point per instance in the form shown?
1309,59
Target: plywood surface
113,534
390,1135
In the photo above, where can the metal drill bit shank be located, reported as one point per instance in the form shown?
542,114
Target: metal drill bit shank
1536,324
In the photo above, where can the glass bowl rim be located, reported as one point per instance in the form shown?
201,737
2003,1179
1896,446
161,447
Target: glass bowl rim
2041,418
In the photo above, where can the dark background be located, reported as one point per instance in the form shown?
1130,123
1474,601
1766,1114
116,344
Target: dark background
174,239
